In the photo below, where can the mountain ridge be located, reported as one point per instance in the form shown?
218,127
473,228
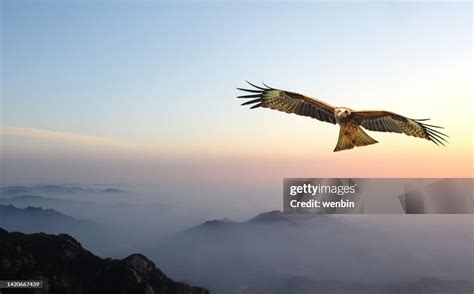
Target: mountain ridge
65,266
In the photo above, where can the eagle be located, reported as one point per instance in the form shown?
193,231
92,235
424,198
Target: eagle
350,121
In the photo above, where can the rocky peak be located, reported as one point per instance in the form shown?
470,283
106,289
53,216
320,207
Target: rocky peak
65,266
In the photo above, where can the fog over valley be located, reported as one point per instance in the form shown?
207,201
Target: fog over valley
265,253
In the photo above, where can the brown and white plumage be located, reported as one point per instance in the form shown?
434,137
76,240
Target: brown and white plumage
350,121
289,102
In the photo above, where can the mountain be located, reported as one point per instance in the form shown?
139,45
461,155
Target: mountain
133,219
226,256
25,200
31,219
14,190
131,223
279,217
36,219
63,190
272,218
269,252
112,190
66,267
115,211
215,224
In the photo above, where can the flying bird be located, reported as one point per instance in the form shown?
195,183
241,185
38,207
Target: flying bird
350,121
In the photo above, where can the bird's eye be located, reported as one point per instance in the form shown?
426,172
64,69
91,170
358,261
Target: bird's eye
345,111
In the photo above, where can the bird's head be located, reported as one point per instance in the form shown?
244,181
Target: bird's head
342,112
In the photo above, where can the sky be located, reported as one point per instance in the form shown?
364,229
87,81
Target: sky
144,92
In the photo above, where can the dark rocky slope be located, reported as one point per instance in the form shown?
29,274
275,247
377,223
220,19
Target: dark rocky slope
66,267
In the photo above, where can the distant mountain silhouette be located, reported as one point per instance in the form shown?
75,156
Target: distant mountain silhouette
14,190
112,190
129,223
277,216
37,219
114,212
33,219
46,190
26,200
66,205
216,224
66,267
271,217
269,252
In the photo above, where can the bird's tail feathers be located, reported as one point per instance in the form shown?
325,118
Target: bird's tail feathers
352,136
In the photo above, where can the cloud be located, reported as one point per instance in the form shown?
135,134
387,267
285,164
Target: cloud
64,137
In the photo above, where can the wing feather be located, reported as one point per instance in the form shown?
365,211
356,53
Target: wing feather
288,102
384,121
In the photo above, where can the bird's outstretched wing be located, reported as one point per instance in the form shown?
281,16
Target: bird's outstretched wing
384,121
288,102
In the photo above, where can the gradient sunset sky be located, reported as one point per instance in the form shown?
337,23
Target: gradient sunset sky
140,92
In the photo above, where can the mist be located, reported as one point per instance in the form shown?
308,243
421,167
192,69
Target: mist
217,245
